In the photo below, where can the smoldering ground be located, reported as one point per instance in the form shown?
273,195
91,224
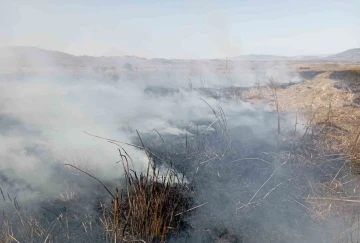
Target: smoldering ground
228,150
43,122
250,189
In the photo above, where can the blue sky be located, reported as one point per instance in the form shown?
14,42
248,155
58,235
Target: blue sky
182,29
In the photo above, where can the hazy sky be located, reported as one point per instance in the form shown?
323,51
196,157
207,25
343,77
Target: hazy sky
182,29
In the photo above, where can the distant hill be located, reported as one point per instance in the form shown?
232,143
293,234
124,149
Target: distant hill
352,55
33,57
253,57
23,56
273,58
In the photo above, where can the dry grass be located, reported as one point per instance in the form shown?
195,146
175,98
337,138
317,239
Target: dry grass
333,125
23,227
150,209
330,109
326,67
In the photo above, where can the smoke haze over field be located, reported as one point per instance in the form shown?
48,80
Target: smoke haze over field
46,106
43,116
188,112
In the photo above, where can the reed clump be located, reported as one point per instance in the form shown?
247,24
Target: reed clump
149,209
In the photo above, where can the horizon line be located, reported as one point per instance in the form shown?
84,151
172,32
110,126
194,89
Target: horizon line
151,58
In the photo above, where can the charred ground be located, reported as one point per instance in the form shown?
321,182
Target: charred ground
288,177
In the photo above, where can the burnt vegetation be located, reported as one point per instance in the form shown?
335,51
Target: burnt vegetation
276,181
348,78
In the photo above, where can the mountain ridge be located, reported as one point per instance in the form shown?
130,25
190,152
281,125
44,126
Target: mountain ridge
29,54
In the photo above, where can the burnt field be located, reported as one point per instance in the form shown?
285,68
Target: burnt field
168,157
